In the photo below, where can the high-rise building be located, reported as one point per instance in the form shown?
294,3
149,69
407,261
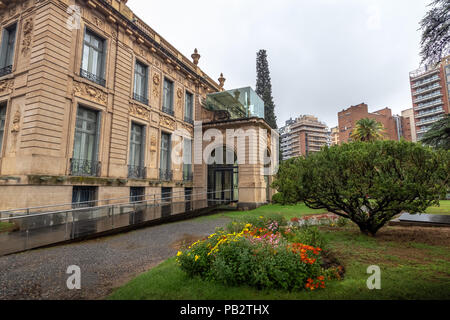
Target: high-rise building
395,127
430,90
302,136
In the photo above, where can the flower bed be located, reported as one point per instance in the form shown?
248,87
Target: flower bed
264,256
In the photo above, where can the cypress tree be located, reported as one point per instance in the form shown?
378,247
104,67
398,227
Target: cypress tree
264,88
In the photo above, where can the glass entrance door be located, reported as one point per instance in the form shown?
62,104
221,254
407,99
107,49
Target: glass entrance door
221,183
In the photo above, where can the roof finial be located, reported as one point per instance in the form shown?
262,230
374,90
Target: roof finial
195,56
221,81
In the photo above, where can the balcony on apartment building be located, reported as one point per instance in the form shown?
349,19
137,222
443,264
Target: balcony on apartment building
429,88
428,120
428,104
428,96
429,112
426,81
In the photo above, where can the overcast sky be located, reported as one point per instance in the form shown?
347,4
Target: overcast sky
324,55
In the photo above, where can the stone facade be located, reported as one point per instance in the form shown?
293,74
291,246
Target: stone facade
46,85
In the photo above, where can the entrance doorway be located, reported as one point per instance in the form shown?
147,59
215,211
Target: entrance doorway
223,179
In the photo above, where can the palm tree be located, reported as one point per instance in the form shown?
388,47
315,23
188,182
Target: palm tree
367,130
439,134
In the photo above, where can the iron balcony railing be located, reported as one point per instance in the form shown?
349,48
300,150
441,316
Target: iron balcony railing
165,175
432,87
92,77
140,98
428,97
82,167
428,120
168,110
137,172
6,70
430,112
188,120
188,176
428,104
429,80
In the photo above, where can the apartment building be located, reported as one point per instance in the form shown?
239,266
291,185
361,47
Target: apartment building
302,136
430,90
90,100
395,127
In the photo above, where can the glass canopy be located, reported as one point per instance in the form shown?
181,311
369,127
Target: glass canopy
239,103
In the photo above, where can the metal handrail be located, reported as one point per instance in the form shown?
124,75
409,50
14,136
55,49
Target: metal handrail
111,205
78,203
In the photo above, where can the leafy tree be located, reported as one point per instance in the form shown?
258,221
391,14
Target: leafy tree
264,88
368,183
439,134
367,130
435,28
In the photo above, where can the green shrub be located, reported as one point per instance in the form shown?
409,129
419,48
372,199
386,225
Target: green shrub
278,198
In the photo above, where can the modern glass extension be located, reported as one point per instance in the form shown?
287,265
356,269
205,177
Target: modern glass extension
236,104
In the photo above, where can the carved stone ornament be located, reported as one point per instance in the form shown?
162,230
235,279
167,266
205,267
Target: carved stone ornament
153,143
167,123
156,82
27,33
6,85
180,98
140,112
90,93
16,122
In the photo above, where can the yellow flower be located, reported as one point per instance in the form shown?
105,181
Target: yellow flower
179,253
196,257
261,217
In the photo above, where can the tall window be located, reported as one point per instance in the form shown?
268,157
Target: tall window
84,161
168,97
188,108
7,50
165,172
187,160
140,82
136,165
92,66
2,124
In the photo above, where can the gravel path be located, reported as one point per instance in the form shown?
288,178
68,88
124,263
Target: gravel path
105,263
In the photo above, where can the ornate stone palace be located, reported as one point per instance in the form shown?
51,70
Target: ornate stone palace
90,97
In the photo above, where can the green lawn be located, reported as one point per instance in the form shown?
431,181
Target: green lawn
289,212
444,208
415,264
299,210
